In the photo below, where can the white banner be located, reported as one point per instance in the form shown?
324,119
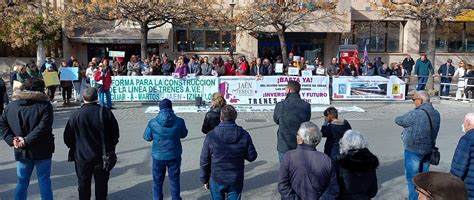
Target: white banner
368,87
271,89
155,88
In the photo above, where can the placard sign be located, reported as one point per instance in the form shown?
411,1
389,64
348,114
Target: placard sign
368,87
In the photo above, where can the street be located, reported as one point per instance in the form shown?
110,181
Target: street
131,178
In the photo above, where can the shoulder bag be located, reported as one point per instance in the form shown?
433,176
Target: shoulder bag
109,159
435,155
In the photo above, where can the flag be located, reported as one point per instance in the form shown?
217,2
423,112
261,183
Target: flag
366,59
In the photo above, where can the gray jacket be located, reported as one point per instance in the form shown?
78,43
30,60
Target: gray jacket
416,136
206,69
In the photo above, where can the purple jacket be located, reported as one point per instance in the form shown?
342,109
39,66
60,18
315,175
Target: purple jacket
306,173
182,70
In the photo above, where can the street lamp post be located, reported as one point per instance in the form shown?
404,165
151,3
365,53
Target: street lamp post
232,4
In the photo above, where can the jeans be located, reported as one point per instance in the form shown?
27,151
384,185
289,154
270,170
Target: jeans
24,168
51,91
159,172
421,83
218,191
414,164
446,87
67,93
84,172
105,94
280,156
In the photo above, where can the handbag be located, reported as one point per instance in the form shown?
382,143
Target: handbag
435,154
109,159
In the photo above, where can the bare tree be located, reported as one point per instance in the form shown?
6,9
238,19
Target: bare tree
284,15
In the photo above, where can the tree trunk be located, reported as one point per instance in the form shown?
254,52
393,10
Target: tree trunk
284,50
40,53
430,52
144,41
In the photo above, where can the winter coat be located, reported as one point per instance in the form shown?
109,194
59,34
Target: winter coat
333,132
167,68
416,135
243,69
289,114
306,173
229,69
106,79
82,134
182,71
462,165
206,69
211,120
30,115
65,84
166,131
423,68
22,76
444,70
356,175
408,64
333,70
133,69
195,68
34,74
224,152
262,70
370,71
384,72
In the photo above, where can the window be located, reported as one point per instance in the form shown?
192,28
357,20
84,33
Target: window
451,37
203,40
378,36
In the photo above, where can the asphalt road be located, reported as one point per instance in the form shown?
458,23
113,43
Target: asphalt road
131,178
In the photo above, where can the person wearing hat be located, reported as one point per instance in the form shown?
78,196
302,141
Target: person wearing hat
439,186
446,72
462,165
166,131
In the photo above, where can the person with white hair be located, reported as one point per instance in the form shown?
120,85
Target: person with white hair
463,159
356,167
306,173
421,127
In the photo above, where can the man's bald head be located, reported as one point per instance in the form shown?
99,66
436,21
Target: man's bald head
469,122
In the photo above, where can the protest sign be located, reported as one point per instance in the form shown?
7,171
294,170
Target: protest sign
293,71
368,87
279,68
50,78
117,54
69,73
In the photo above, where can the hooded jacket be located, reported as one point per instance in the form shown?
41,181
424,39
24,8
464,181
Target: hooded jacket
224,152
356,175
462,165
166,131
416,136
211,120
30,115
333,132
289,114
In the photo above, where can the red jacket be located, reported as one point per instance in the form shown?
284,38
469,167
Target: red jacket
107,80
243,67
229,70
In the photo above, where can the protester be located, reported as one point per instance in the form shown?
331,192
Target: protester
421,127
167,68
145,68
333,68
306,173
384,71
156,66
230,67
269,67
370,70
166,131
223,154
3,97
133,67
51,88
90,73
423,69
206,67
87,130
212,118
78,84
218,67
49,63
33,70
181,68
243,69
356,168
13,73
103,80
288,115
194,66
320,70
446,71
408,63
66,86
378,64
459,74
333,129
258,69
469,77
22,74
27,125
462,165
439,186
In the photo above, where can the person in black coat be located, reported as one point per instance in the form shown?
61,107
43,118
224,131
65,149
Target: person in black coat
212,118
356,168
258,69
408,63
333,129
446,71
83,137
27,126
3,93
289,114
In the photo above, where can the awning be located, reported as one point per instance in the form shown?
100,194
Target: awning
121,35
467,16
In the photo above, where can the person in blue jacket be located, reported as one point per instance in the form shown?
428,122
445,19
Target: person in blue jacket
166,131
463,162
